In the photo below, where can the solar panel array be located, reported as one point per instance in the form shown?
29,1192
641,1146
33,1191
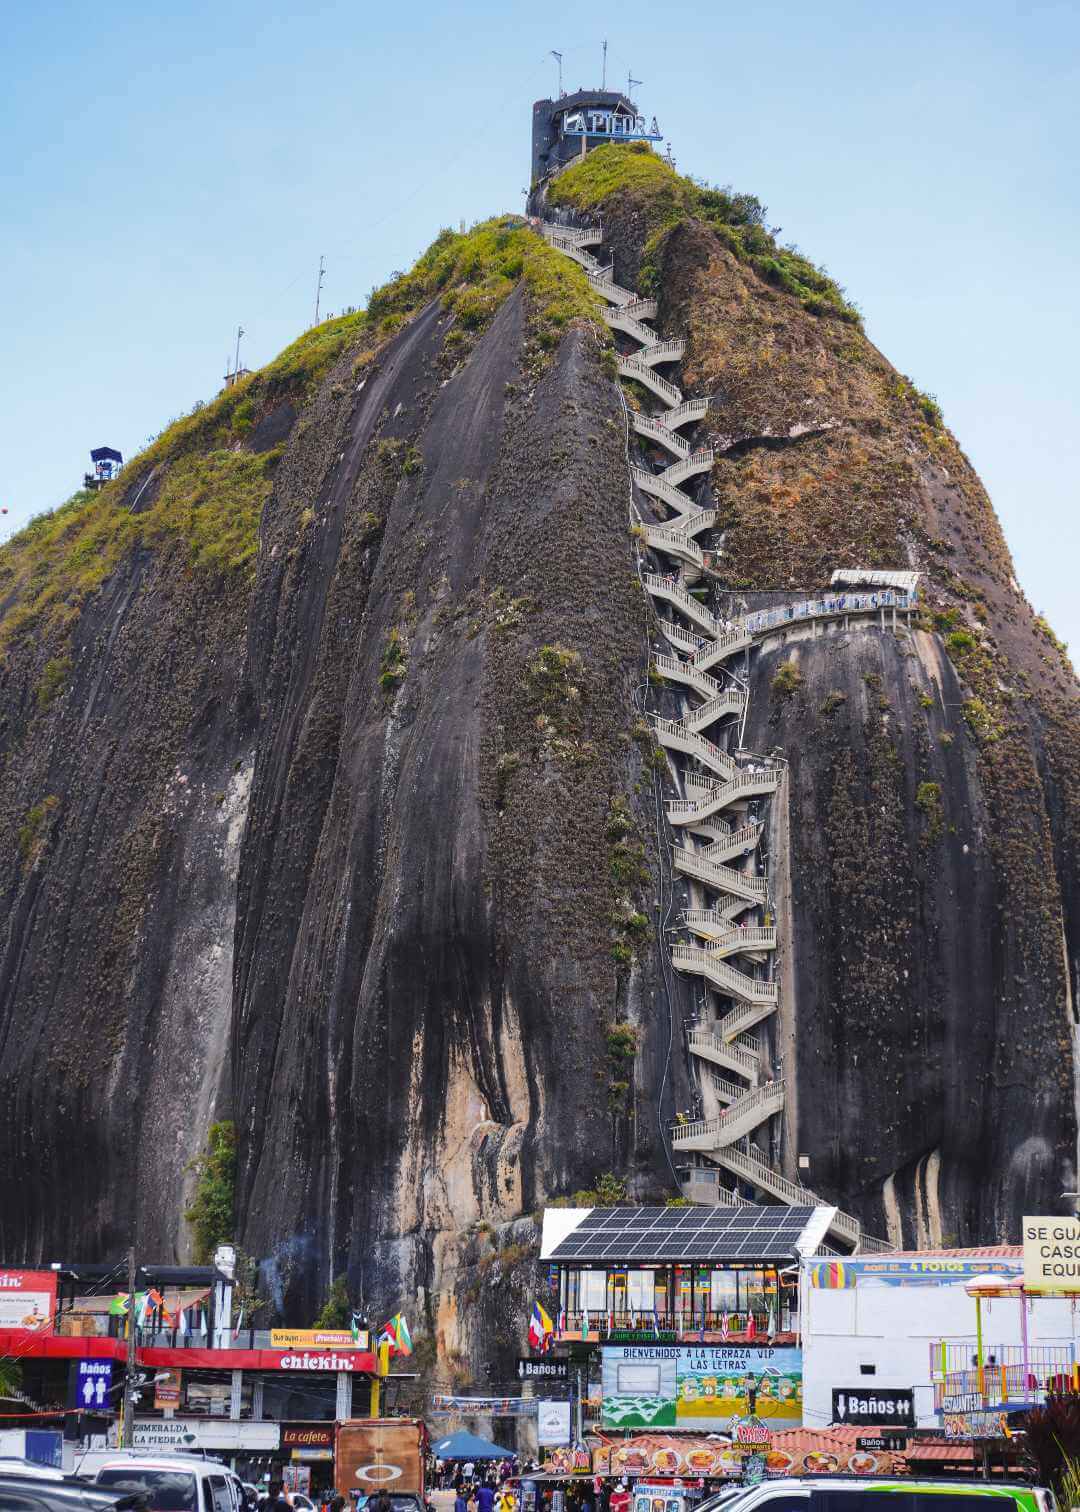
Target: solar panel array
691,1233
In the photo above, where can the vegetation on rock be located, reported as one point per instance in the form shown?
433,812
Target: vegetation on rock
634,173
210,1215
336,1311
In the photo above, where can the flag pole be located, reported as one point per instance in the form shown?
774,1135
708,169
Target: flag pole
382,1369
127,1436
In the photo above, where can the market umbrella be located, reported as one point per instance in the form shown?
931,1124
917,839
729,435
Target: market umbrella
987,1286
467,1446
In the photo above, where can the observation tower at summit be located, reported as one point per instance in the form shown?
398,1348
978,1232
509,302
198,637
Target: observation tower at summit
574,124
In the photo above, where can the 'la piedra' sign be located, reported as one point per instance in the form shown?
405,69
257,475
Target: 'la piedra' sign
1052,1254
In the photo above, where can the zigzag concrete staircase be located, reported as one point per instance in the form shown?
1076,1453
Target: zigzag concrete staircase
716,784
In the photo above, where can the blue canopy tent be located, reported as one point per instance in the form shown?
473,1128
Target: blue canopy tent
467,1446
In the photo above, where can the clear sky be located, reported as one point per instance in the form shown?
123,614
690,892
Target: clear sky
168,174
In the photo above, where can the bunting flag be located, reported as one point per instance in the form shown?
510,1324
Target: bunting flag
562,1320
395,1333
585,1324
239,1325
772,1323
402,1336
655,1324
724,1328
354,1325
142,1310
182,1322
751,1326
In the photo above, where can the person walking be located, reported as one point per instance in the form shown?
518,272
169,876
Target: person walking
485,1498
460,1501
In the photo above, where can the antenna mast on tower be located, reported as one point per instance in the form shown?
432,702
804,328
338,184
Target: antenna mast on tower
558,58
630,82
603,79
318,287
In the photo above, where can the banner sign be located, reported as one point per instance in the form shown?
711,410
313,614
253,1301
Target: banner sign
975,1425
198,1433
27,1299
543,1370
307,1435
1052,1254
496,1406
656,1386
842,1275
893,1443
318,1338
873,1408
167,1389
553,1424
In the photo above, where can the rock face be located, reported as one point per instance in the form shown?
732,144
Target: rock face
926,849
363,848
419,715
424,968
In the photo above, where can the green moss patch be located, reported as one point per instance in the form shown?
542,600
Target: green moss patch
667,198
476,270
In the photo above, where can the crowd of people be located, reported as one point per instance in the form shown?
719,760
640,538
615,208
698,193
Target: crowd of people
459,1488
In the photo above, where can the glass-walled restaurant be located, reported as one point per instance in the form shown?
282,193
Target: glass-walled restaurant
678,1298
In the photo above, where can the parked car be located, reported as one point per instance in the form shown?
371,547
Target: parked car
35,1492
10,1465
884,1494
174,1482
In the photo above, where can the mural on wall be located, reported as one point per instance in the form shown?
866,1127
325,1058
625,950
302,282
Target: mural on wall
658,1386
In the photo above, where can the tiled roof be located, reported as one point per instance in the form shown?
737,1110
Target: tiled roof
985,1251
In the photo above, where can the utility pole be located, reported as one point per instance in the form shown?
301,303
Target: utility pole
129,1373
318,287
558,58
603,79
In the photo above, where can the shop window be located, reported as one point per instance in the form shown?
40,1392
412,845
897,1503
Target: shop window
594,1290
639,1290
724,1292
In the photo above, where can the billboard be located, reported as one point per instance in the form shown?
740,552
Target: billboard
552,1424
703,1387
940,1270
1052,1254
27,1299
318,1338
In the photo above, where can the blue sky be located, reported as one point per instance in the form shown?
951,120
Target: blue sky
167,177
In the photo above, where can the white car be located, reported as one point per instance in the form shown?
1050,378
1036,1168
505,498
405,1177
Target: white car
9,1465
174,1482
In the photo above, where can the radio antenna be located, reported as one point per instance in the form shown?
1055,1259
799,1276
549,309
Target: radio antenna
558,58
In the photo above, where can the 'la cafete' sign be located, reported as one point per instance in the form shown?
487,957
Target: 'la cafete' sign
1052,1254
